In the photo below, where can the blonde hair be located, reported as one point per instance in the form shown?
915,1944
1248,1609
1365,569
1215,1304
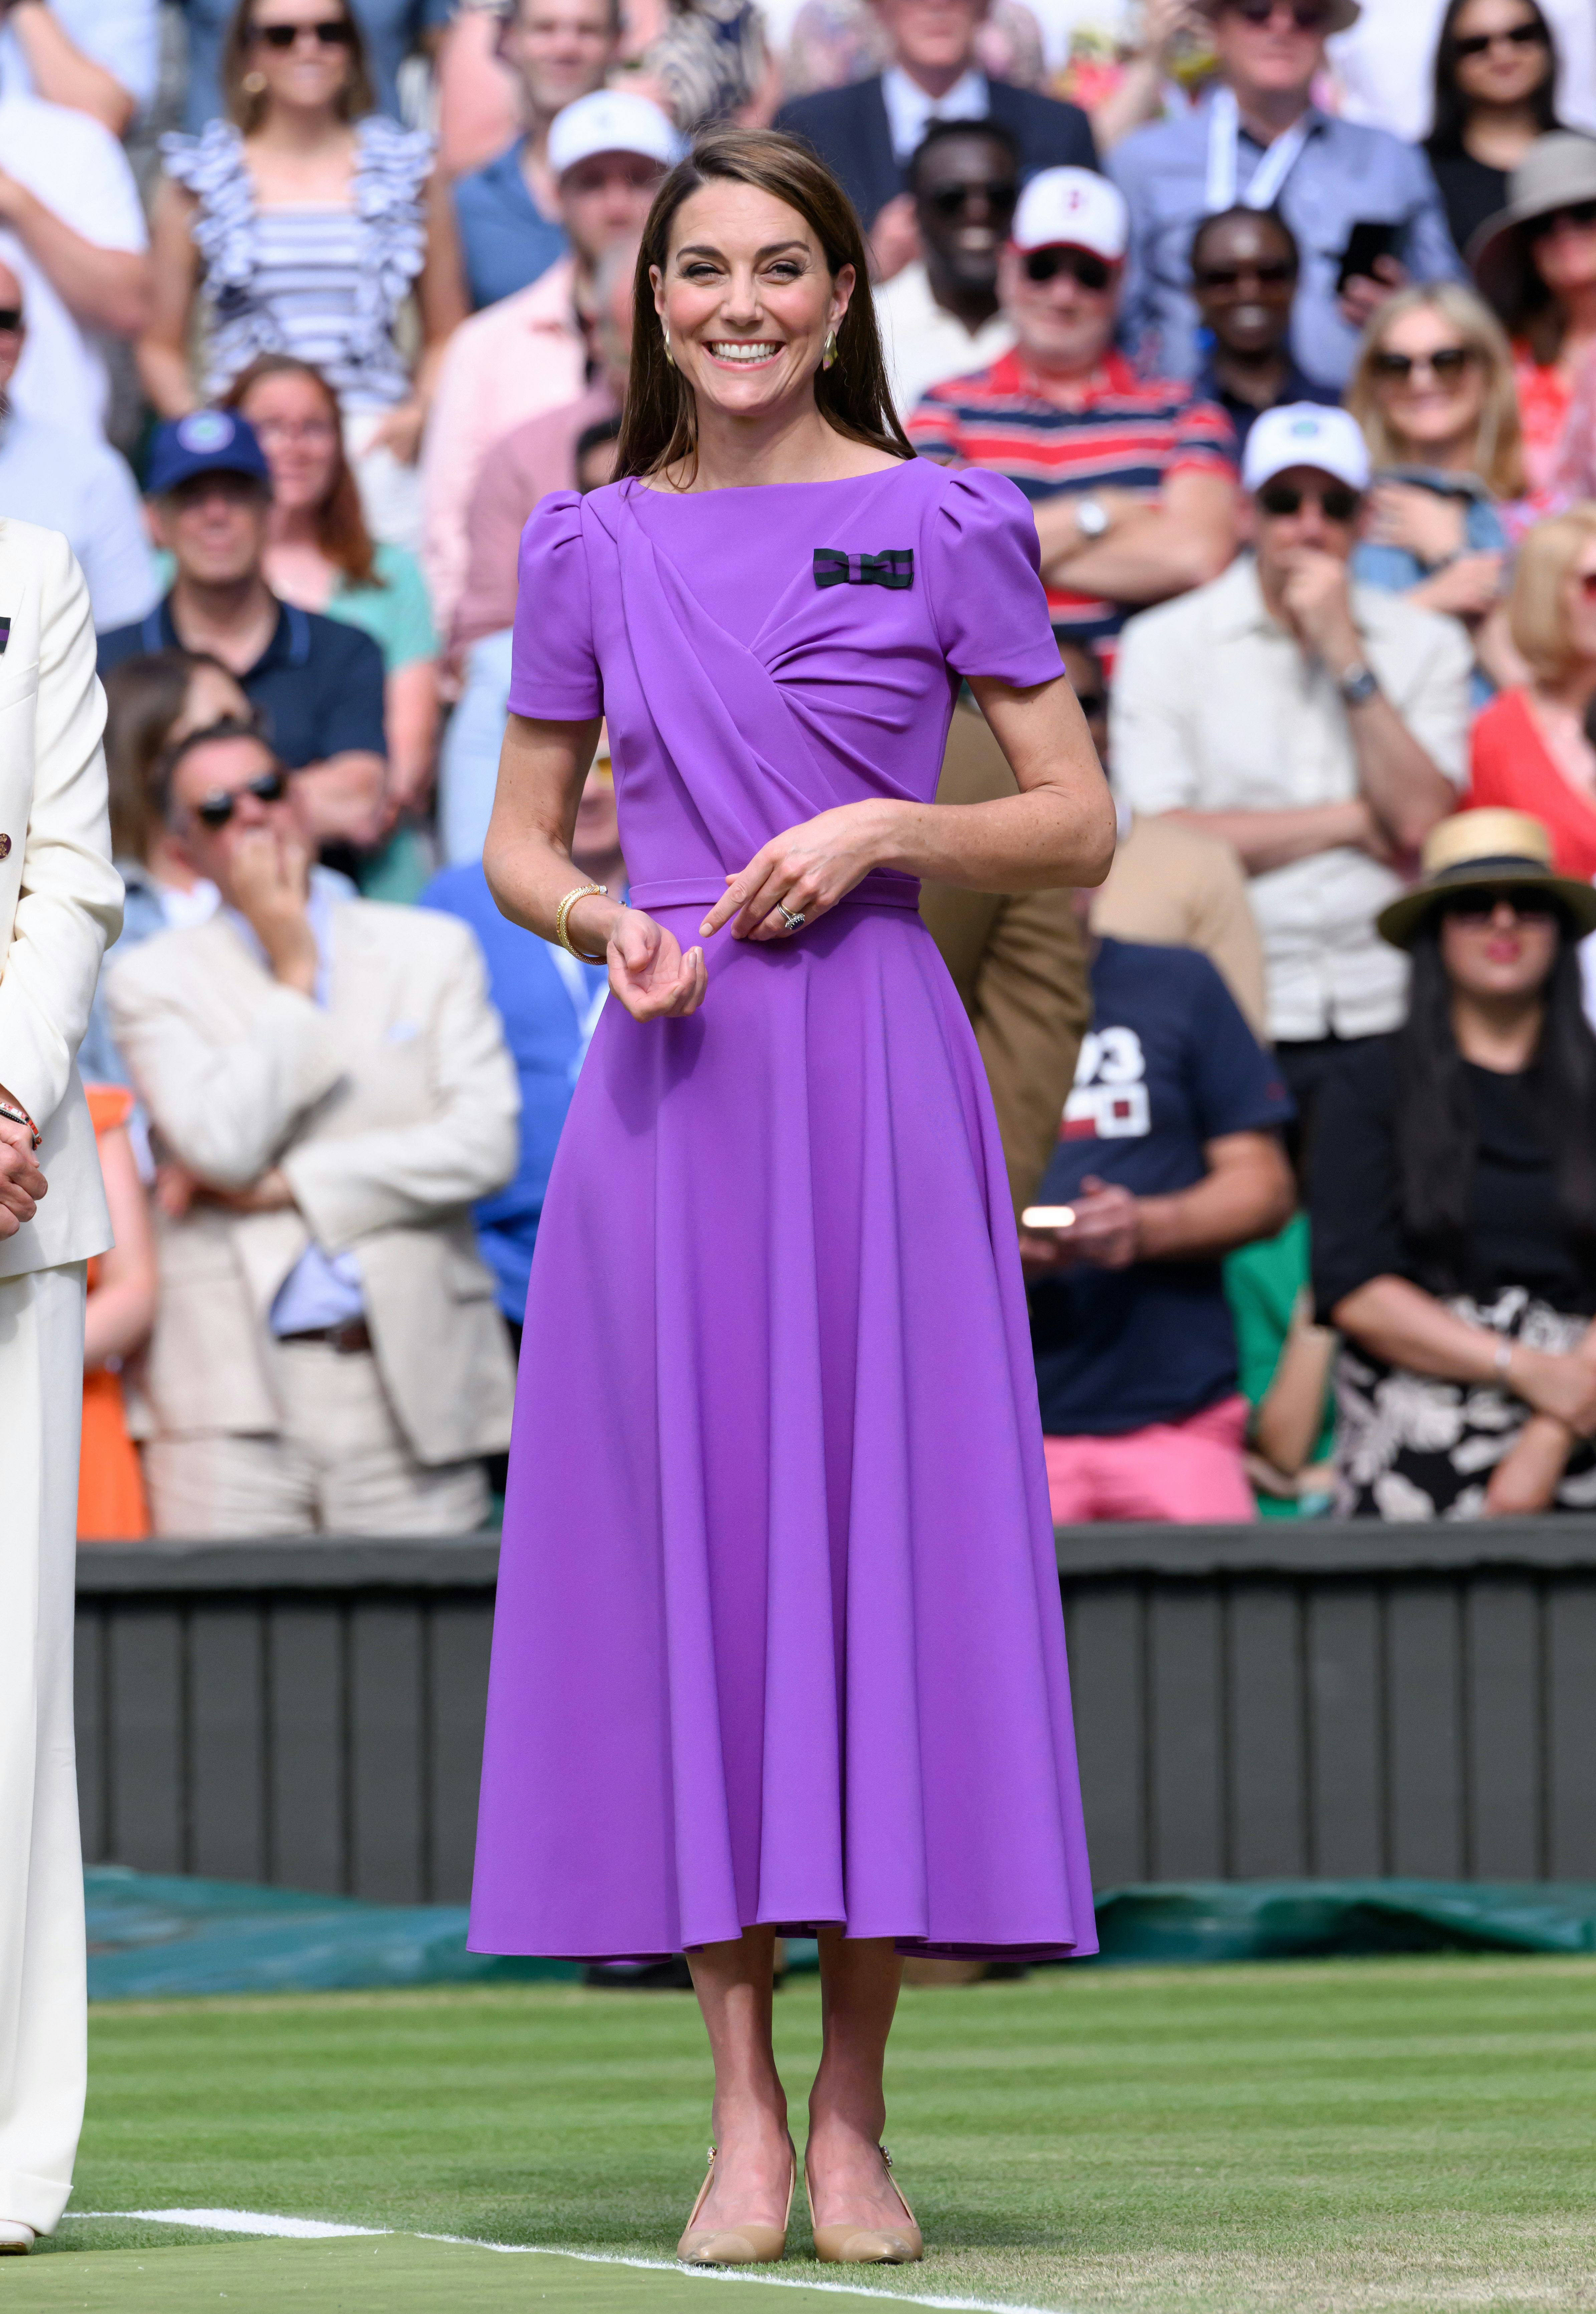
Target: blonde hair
1538,607
1498,457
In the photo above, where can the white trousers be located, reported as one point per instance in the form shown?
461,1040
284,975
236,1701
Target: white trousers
43,2012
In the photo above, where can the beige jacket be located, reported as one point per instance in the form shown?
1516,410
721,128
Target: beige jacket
391,1110
1177,886
60,898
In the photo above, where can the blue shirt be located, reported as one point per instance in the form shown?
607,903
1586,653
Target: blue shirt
1397,570
1345,175
547,1031
505,238
391,29
1169,1065
318,682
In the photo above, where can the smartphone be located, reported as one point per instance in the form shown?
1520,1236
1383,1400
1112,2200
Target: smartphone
1048,1218
1367,241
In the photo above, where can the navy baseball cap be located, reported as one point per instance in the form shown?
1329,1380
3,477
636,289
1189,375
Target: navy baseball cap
205,442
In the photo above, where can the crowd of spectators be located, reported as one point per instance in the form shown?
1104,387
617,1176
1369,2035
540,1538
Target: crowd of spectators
1281,314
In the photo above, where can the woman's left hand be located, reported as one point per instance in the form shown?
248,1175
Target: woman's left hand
805,870
400,432
1432,527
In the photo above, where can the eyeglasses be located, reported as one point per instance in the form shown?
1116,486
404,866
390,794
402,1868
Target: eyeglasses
1336,502
1520,36
1477,907
1580,214
1089,270
331,33
215,810
1272,273
947,200
1306,15
11,320
1446,362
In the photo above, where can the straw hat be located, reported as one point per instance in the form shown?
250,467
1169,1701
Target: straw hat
1558,170
1344,14
1498,850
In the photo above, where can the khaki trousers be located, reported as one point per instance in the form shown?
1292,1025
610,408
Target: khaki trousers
43,2010
341,1464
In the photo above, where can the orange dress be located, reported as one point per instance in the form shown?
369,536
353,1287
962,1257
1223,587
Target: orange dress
110,1499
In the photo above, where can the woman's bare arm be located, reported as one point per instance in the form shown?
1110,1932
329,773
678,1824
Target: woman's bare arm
163,350
1406,1327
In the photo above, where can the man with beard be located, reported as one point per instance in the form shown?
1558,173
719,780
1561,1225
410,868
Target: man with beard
940,317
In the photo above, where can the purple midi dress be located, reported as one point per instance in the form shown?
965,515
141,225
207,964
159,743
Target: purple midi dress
778,1635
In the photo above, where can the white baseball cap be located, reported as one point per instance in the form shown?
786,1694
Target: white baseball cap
611,120
1305,434
1072,209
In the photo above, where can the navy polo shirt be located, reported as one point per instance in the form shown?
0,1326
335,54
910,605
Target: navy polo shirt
505,238
318,684
1169,1065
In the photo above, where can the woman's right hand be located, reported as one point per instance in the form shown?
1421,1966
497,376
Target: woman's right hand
1558,1383
649,972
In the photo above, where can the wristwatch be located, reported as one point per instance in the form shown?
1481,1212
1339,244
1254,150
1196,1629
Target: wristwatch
1358,685
1092,517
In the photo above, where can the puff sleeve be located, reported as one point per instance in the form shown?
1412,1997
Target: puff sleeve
554,673
985,587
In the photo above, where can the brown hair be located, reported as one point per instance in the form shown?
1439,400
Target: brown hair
145,696
1498,448
659,424
245,108
1538,608
340,522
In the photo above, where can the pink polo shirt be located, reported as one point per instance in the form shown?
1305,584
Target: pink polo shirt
506,365
526,464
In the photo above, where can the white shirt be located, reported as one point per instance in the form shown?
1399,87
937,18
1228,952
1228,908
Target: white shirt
77,169
122,35
82,486
1217,709
910,112
1385,64
923,344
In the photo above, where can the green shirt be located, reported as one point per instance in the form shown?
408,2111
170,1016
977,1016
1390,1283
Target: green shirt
1263,1283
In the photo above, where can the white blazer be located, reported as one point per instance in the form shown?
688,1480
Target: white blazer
60,898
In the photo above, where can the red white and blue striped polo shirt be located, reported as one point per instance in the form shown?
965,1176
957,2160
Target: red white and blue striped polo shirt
1127,433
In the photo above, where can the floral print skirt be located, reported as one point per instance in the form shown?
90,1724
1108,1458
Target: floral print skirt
1408,1446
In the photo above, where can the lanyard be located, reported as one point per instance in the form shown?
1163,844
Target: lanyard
1224,126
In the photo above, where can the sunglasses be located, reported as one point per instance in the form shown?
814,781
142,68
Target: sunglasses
947,200
1088,271
331,33
1336,502
1521,36
1479,907
215,810
1306,15
1273,273
1577,213
1445,362
11,320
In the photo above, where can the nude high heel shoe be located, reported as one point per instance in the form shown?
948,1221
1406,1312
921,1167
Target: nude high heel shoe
850,2245
745,2245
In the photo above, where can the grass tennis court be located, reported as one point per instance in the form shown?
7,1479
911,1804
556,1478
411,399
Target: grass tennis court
1408,2134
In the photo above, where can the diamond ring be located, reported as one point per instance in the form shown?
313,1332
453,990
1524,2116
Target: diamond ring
788,920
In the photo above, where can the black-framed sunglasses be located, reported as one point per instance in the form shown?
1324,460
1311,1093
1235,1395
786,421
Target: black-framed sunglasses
1272,273
215,810
331,31
1084,266
1306,15
1517,36
1574,212
11,320
1446,362
1337,502
1479,906
948,201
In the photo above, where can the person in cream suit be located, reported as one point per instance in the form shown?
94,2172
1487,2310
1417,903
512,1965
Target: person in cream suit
329,1091
60,902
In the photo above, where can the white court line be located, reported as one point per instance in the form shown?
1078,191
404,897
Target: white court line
251,2221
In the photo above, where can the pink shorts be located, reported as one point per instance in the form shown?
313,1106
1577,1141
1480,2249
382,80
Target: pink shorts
1190,1471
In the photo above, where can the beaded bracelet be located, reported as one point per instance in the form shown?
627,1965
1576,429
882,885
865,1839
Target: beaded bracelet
18,1115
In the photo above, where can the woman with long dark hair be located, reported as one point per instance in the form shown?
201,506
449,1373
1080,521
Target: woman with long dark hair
778,1641
1495,83
1454,1198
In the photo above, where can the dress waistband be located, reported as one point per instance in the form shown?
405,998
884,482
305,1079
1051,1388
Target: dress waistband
883,888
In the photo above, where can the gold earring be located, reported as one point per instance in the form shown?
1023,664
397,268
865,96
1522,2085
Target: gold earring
664,332
828,352
254,84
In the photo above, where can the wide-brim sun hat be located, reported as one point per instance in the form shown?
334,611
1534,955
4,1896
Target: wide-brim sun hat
1344,14
1558,170
1487,849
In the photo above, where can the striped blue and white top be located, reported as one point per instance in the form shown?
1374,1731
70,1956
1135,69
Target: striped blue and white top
324,284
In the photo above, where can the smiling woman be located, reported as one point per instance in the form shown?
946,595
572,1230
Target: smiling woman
778,1641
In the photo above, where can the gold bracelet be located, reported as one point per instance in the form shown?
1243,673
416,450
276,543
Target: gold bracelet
564,909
